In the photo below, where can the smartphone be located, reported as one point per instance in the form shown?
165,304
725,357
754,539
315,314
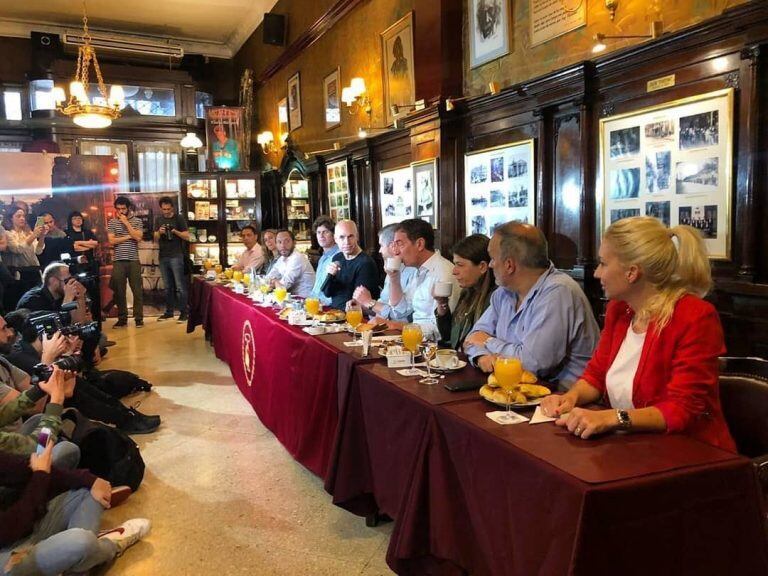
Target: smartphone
42,439
40,221
463,386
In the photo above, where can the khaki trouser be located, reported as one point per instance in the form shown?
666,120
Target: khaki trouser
130,271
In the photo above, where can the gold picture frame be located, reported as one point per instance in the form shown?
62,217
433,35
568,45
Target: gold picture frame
398,66
673,161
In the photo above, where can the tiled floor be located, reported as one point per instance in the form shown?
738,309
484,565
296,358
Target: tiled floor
223,495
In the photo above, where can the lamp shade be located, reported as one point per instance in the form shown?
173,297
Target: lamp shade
191,141
77,90
116,96
58,95
358,87
347,96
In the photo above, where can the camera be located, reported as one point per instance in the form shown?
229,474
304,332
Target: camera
49,323
68,362
169,232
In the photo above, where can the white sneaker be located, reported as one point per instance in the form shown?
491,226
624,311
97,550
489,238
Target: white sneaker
128,533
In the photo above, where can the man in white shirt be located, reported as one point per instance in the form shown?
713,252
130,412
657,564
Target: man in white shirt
252,257
415,242
292,270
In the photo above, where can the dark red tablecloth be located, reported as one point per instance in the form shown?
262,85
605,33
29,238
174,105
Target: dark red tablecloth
287,376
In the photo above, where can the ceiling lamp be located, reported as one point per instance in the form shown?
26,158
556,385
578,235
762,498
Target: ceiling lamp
104,109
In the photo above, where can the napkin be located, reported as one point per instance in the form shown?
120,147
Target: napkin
405,372
538,417
505,418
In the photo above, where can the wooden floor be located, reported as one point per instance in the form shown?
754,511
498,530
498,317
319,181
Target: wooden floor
223,495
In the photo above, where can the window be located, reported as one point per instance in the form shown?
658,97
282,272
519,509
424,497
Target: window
41,95
116,149
158,166
12,101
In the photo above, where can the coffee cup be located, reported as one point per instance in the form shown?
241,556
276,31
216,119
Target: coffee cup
393,264
443,289
447,359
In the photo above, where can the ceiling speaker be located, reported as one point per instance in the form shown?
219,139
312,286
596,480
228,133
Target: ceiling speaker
274,29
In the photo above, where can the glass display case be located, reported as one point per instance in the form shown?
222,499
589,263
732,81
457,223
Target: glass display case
298,212
218,205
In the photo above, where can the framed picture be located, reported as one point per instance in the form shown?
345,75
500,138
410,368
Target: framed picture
500,186
282,118
331,100
294,102
397,61
426,190
396,195
225,133
674,162
338,190
488,31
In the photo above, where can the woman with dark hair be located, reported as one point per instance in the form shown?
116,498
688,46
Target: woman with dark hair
471,260
85,240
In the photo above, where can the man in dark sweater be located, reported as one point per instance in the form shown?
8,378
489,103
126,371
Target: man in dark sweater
51,523
350,268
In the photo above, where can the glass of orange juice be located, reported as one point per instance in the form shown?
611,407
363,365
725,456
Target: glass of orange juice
228,273
218,268
246,280
354,317
265,287
237,275
412,338
312,306
508,372
208,263
280,294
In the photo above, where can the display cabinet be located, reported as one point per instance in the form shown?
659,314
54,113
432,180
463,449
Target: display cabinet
298,211
218,205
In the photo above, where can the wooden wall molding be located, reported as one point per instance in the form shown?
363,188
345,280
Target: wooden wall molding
321,26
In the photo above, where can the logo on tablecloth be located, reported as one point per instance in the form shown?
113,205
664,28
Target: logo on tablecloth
248,352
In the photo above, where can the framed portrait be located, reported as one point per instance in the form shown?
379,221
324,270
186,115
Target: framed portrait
338,190
425,183
282,118
500,186
225,133
294,102
332,99
673,162
396,197
397,61
489,28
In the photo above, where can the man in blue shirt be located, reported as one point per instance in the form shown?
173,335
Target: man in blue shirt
323,227
540,315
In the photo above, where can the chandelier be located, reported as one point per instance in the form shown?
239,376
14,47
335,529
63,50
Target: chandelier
100,112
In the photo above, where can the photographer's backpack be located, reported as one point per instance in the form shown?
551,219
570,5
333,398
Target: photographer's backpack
107,452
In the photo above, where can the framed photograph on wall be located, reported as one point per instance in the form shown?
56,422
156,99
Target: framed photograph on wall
282,118
489,28
332,99
500,186
397,61
338,190
225,133
674,162
294,102
396,197
426,190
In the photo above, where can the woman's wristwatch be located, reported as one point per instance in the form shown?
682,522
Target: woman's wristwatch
625,422
371,305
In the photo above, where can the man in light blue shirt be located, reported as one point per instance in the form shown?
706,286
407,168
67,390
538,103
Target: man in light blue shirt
540,315
323,227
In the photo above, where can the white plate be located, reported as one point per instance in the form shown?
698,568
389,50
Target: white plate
528,404
435,366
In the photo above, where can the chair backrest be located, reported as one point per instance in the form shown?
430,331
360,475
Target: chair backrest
744,398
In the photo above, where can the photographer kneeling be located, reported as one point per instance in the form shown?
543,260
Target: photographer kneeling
35,347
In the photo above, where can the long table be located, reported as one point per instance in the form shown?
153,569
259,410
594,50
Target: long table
469,496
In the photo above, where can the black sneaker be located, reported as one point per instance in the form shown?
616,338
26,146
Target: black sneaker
139,323
183,318
120,324
139,423
165,316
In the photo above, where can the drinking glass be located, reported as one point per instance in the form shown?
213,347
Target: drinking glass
228,273
312,305
264,287
429,350
237,275
280,294
246,280
354,317
412,337
218,268
208,264
508,372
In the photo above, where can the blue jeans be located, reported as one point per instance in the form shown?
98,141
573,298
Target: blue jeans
172,270
63,540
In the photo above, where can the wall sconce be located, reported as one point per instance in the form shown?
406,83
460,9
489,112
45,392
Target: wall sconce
191,142
267,142
656,30
355,98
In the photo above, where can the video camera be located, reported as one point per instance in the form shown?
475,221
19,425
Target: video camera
49,323
68,362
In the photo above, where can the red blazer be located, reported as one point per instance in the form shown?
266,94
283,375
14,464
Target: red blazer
678,369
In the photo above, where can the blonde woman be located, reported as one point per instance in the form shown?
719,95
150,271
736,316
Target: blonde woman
24,245
656,363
